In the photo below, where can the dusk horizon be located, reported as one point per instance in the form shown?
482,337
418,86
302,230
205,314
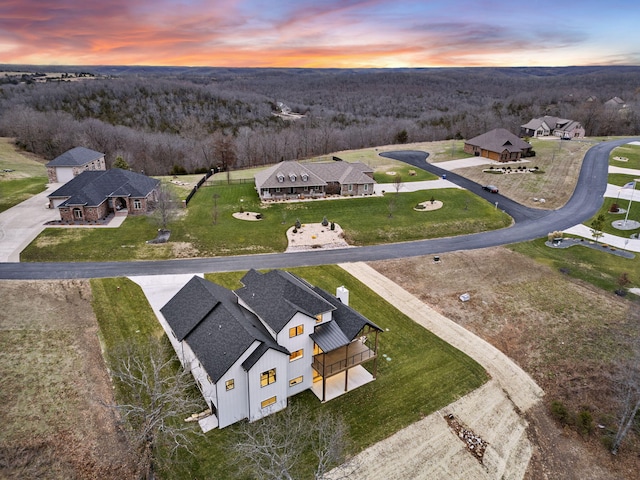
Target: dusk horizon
345,34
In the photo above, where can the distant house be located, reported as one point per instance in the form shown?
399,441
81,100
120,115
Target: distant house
252,349
94,194
292,180
616,103
72,163
499,144
548,125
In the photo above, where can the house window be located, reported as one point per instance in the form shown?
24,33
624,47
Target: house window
77,213
305,177
350,188
295,381
267,402
295,331
318,318
292,177
366,187
137,204
280,178
268,377
296,355
278,190
230,384
316,349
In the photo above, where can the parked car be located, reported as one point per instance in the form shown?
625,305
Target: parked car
490,188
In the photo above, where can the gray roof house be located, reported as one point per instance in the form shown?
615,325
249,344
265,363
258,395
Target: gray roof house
94,194
294,180
498,144
548,125
73,162
251,349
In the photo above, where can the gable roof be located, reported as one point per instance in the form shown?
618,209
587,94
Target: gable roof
276,296
290,174
342,172
269,178
93,187
218,330
499,140
76,157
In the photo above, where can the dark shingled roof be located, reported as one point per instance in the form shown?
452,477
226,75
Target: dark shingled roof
218,330
276,296
499,140
93,187
76,157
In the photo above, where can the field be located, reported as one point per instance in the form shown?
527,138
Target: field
565,332
27,175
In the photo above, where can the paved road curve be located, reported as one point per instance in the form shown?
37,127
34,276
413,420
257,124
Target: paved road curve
529,224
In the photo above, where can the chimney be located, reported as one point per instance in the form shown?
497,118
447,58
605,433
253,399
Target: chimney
343,294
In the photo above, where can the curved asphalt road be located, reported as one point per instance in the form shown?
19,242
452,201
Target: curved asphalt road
529,224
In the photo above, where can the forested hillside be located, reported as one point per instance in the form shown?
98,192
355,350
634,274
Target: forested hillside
163,120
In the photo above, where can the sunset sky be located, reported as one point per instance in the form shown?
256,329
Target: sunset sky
320,33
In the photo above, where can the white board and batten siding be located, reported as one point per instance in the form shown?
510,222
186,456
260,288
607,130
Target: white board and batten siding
233,404
257,393
300,367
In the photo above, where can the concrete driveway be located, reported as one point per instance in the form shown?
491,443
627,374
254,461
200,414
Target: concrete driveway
21,224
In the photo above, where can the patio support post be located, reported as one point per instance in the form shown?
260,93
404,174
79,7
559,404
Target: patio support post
375,359
346,369
324,378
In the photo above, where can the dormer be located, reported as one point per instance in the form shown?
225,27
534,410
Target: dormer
305,177
280,177
292,177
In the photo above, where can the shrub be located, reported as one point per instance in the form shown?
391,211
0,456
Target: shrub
560,412
333,226
584,423
325,222
298,224
432,199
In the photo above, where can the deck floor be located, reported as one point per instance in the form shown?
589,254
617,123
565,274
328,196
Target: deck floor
358,376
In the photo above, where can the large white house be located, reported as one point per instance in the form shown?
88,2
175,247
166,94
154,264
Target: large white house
252,349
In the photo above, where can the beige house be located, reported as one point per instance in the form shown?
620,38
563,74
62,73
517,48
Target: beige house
293,180
548,125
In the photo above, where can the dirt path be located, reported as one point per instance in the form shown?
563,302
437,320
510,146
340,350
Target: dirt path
429,448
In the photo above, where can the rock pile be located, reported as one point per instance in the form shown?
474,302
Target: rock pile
475,444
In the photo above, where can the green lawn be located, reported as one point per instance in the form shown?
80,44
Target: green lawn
26,176
423,374
630,152
365,221
634,214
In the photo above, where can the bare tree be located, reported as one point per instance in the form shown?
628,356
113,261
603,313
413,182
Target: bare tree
155,398
272,448
393,199
165,207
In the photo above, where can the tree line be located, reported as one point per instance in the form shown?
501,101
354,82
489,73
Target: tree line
163,120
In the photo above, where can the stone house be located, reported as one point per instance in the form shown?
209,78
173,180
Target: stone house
94,194
72,163
294,180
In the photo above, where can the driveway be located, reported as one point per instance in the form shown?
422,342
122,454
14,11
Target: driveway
19,225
